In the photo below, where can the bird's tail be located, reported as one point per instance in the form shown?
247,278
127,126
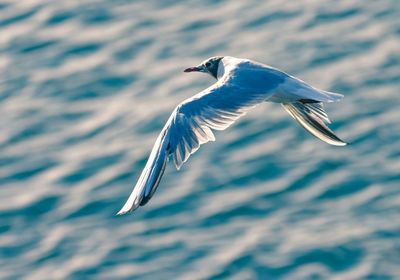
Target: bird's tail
311,116
150,177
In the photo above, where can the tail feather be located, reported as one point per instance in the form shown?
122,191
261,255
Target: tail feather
311,116
329,96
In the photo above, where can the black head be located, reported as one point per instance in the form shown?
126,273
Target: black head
209,66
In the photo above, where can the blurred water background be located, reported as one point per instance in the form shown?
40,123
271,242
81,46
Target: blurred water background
86,86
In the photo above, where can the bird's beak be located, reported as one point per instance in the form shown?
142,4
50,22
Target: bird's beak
194,69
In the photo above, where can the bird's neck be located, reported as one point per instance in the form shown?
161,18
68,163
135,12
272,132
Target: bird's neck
221,69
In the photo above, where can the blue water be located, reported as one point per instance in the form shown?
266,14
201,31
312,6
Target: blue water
85,87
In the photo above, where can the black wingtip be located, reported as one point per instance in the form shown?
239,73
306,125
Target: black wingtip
305,101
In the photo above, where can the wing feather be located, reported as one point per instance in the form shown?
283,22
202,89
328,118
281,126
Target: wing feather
189,126
313,122
215,108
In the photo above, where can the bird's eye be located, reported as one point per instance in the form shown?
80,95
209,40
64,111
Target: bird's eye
208,64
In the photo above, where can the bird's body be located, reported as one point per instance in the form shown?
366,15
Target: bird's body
241,85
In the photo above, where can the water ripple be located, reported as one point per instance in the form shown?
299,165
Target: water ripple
85,87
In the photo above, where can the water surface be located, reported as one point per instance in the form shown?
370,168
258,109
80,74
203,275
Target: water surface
85,87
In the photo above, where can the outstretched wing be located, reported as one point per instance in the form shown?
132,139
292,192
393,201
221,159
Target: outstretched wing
215,108
189,126
311,116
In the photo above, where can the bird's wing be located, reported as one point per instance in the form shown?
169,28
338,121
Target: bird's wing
215,108
311,116
304,103
188,127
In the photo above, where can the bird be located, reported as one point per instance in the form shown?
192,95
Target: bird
240,85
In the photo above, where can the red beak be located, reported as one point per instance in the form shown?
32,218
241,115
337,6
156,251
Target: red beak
192,69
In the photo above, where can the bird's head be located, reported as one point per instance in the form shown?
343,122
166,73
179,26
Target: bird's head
209,66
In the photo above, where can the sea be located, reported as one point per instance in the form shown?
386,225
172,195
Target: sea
86,87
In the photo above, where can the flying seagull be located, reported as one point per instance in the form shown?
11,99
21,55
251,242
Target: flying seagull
241,84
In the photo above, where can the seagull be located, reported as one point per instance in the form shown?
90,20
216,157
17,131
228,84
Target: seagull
241,85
